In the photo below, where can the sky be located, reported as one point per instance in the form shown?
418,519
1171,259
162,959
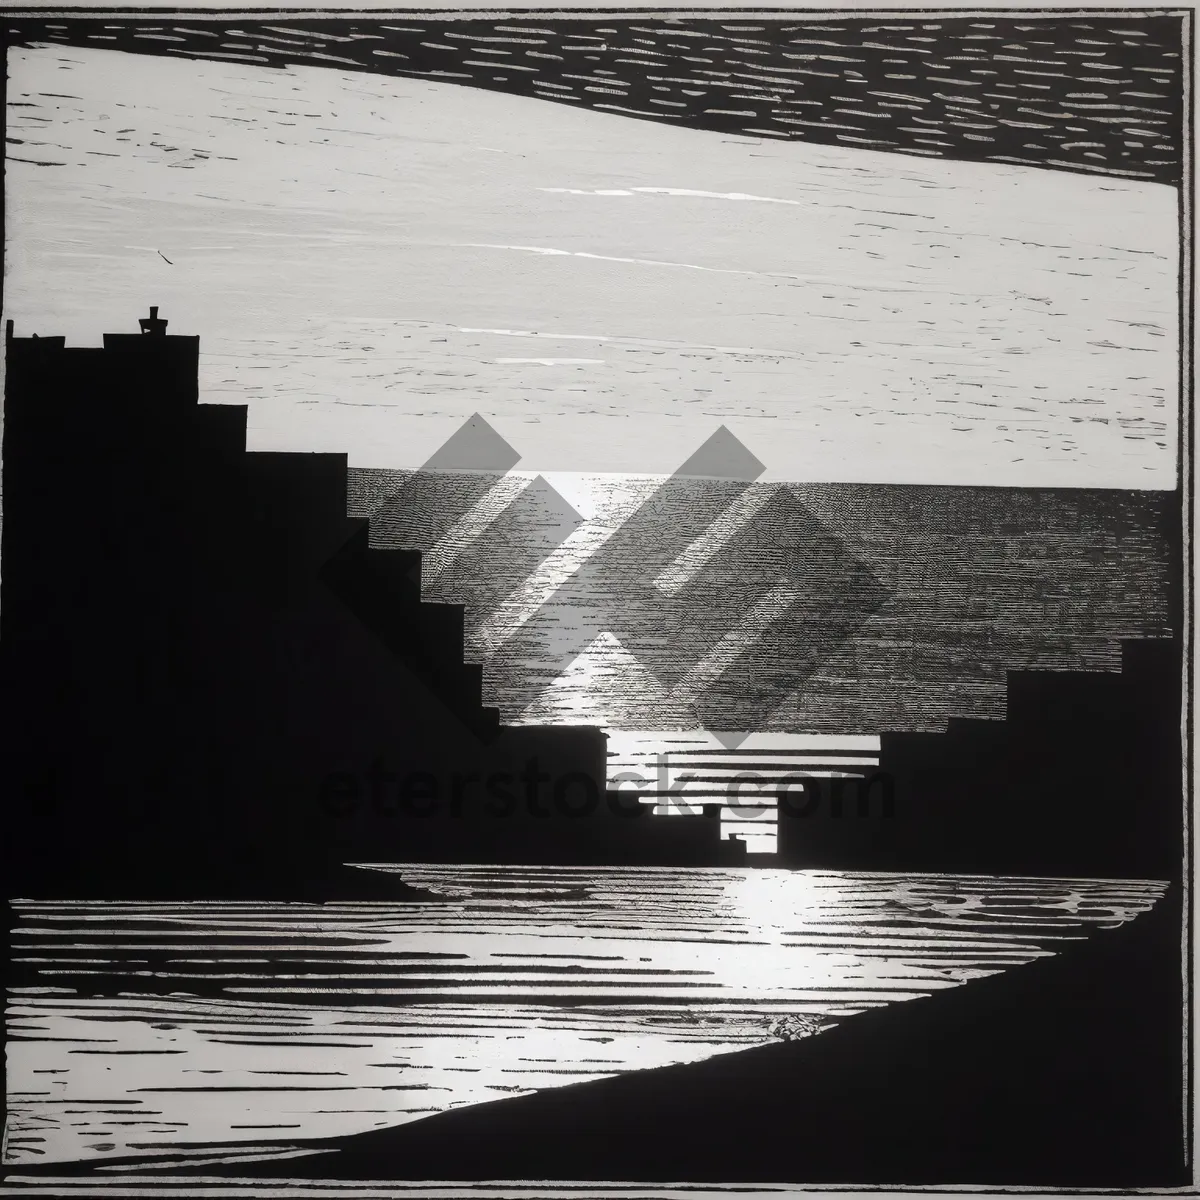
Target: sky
370,260
1100,93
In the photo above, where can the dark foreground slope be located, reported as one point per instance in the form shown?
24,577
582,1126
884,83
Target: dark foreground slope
1066,1071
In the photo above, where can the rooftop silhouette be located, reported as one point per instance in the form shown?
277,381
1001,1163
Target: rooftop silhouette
1083,779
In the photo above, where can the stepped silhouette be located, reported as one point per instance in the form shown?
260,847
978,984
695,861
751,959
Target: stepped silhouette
197,640
383,588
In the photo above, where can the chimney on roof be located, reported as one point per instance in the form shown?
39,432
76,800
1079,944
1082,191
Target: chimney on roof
152,324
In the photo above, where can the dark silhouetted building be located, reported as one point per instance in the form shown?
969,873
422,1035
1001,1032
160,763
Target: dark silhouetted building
1083,779
217,686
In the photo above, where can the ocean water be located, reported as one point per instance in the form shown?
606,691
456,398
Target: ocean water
641,604
146,1028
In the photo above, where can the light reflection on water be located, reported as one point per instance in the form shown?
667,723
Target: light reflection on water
146,1025
678,772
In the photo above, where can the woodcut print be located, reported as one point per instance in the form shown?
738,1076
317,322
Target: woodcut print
596,602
